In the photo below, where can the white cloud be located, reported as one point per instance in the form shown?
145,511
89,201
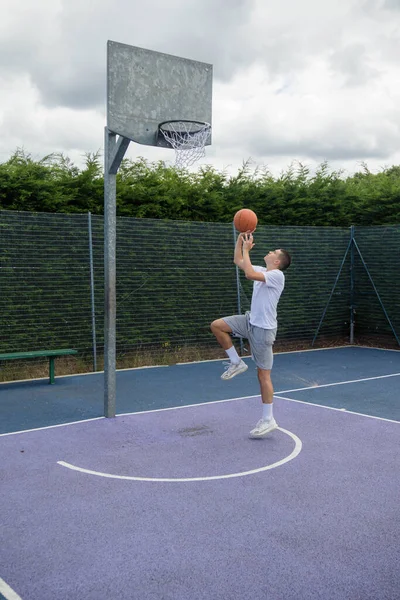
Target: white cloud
292,80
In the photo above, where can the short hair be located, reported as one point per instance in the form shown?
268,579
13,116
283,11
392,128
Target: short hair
285,260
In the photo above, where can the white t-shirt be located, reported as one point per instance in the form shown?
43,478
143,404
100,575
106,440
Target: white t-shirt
265,298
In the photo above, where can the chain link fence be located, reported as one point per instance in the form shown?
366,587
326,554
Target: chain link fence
173,279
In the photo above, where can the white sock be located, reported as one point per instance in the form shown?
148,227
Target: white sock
233,355
267,412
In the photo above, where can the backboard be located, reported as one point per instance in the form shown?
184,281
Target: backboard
145,88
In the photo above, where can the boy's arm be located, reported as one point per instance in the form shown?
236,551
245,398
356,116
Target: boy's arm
238,256
246,262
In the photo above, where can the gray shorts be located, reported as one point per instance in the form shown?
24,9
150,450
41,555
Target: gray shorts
261,340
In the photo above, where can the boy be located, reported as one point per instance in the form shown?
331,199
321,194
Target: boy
259,325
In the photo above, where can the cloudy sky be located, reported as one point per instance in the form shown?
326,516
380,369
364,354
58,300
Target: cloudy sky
305,80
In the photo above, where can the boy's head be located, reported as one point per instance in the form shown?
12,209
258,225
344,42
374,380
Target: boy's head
278,259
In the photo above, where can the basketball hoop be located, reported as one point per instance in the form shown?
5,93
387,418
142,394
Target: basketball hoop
187,138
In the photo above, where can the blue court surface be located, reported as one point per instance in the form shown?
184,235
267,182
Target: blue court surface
172,500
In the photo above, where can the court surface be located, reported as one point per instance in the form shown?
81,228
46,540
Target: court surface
172,500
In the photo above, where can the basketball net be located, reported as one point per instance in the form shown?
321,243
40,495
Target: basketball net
188,139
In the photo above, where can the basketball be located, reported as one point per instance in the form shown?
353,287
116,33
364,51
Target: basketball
245,220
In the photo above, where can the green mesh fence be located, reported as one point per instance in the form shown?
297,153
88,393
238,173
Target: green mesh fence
173,279
45,297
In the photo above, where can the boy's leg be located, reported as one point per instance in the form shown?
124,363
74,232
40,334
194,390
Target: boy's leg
267,423
222,331
266,387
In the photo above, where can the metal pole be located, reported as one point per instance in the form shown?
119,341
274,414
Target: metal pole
92,292
352,311
238,289
114,151
110,192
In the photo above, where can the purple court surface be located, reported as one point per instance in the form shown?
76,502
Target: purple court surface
177,503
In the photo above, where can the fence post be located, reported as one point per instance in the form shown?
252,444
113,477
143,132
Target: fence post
352,311
92,292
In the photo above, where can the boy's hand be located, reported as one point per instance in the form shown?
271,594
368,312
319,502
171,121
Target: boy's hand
247,241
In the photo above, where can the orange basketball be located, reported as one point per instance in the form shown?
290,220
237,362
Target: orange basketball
245,220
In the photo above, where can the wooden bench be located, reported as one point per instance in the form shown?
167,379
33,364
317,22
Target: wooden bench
50,354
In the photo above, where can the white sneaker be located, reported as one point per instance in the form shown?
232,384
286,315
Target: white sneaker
263,427
233,370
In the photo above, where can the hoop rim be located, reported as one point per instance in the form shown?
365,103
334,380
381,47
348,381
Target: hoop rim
191,134
195,121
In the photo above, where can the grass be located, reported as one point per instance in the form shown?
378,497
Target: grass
72,365
165,355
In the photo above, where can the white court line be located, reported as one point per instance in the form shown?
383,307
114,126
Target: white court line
191,363
296,451
139,412
323,385
275,354
81,374
276,394
51,426
376,348
350,412
7,592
